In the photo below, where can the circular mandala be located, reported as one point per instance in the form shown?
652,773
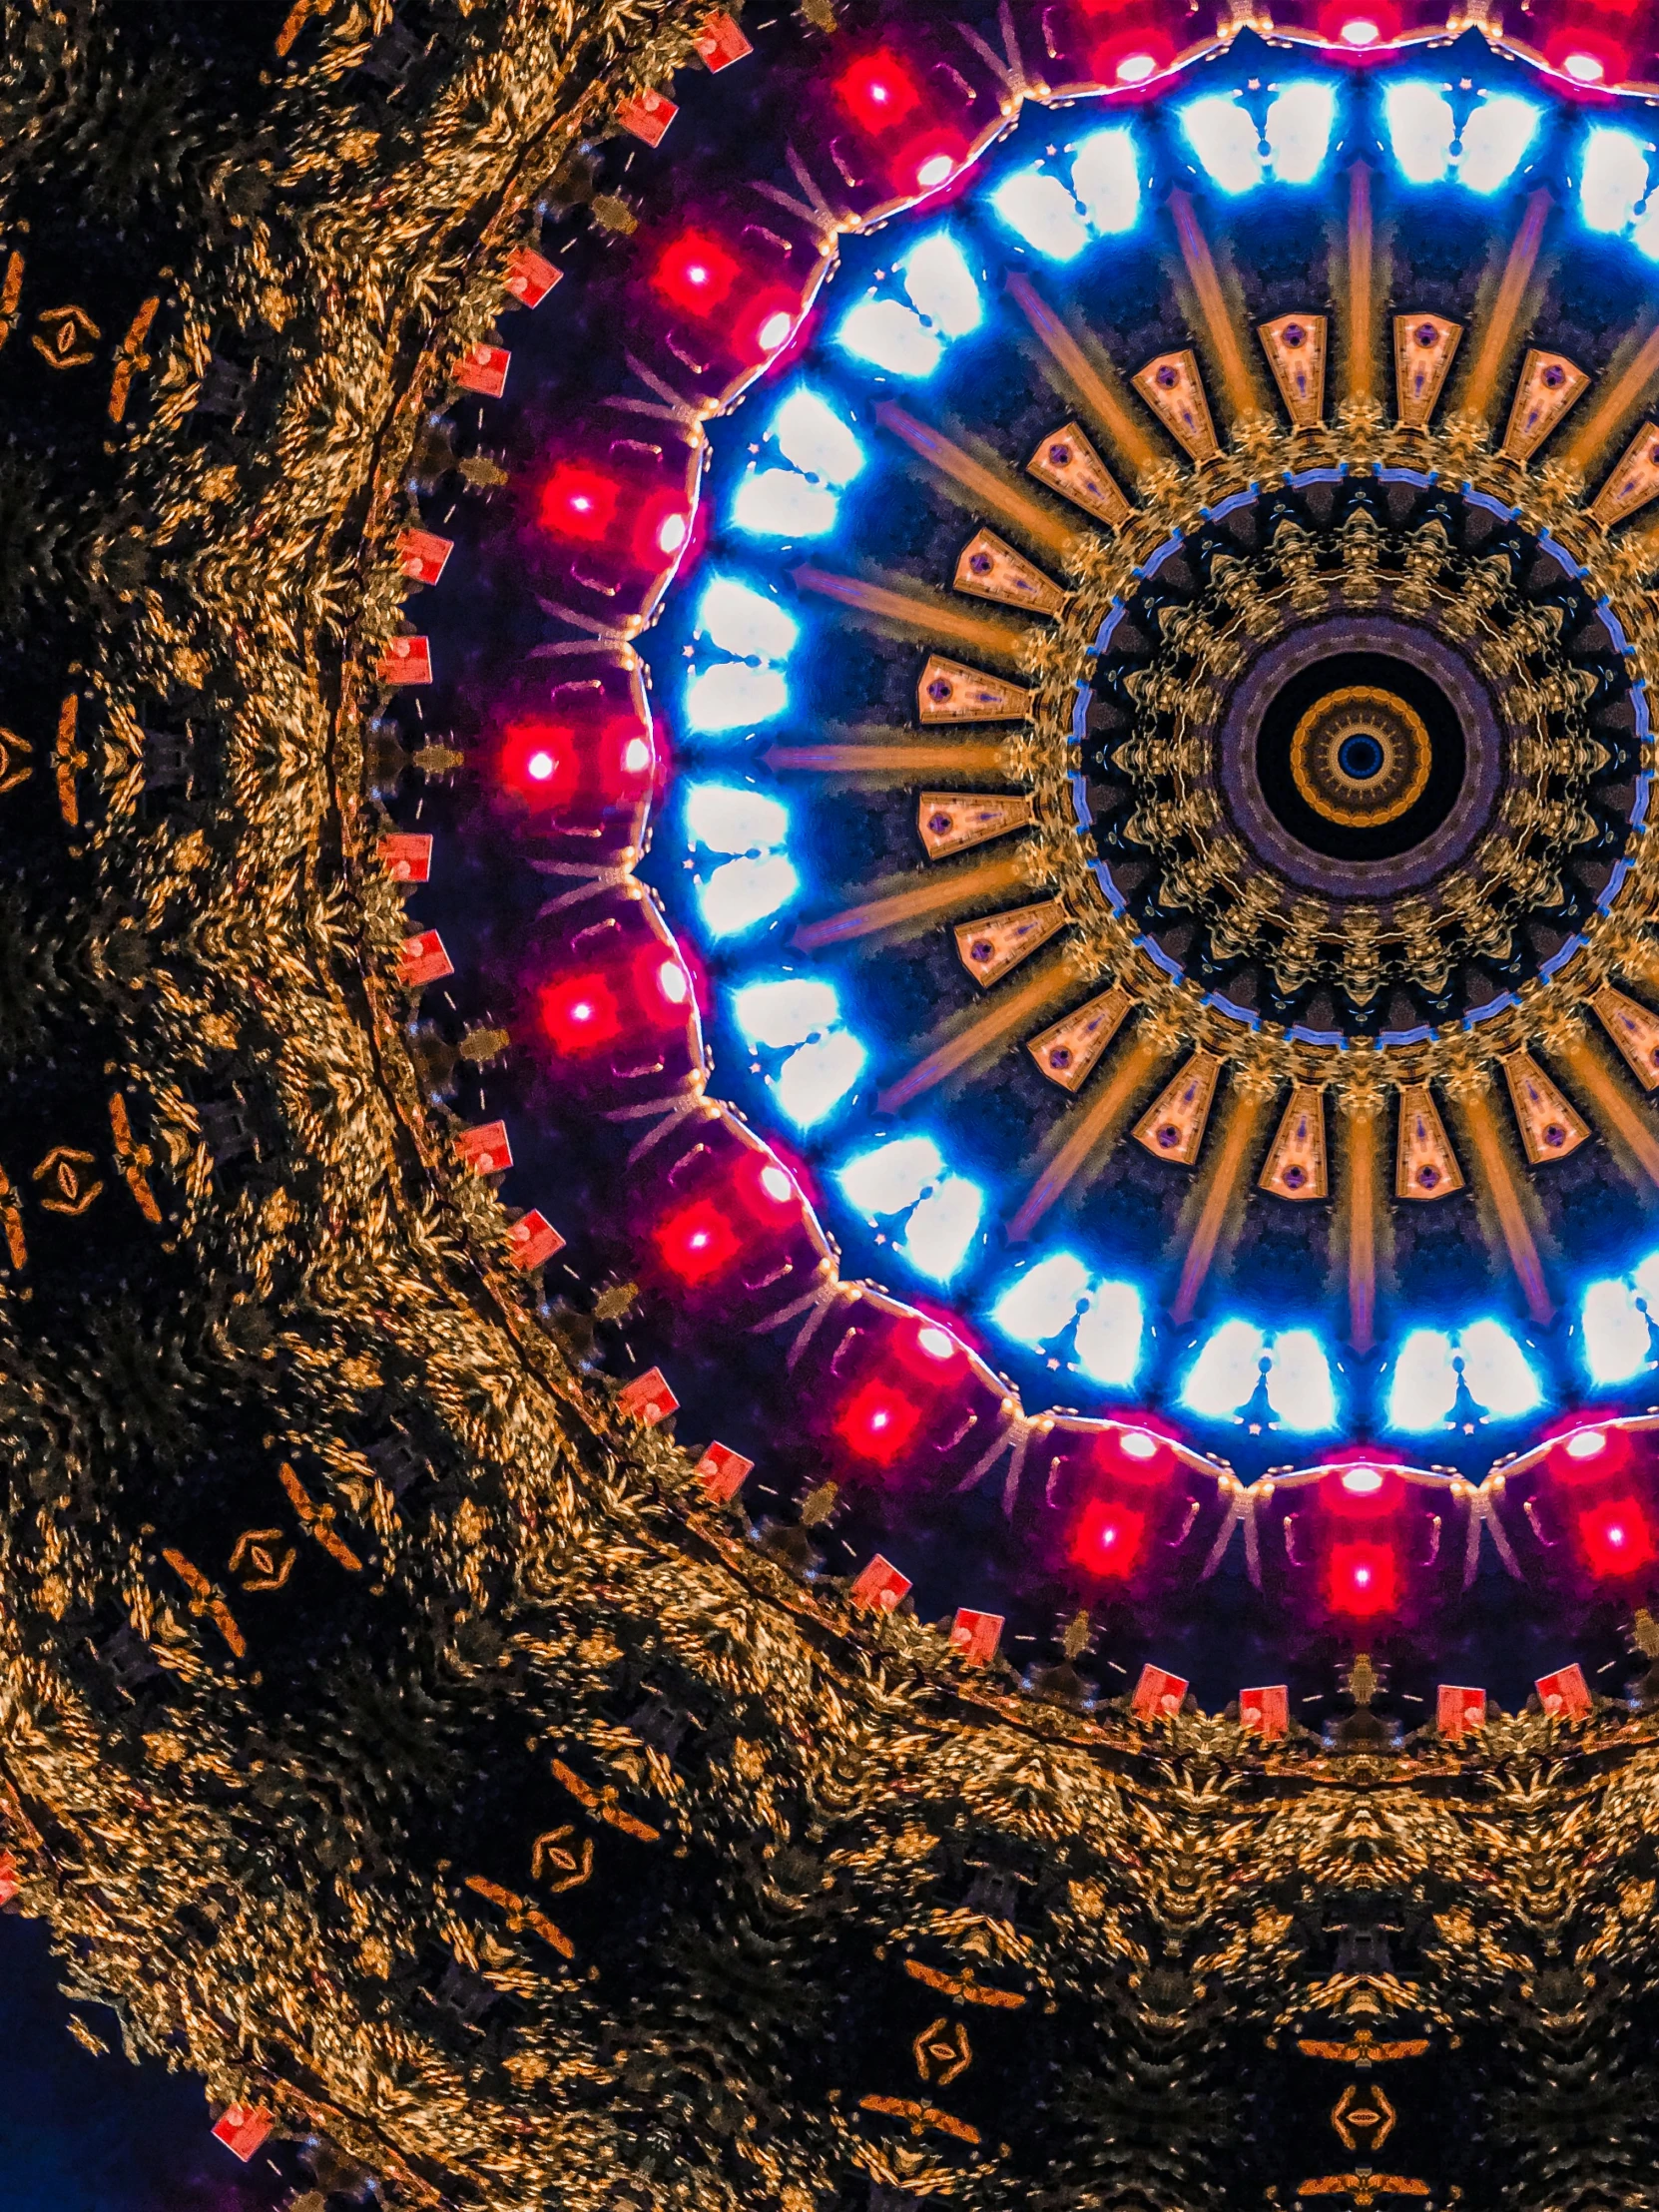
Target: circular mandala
1360,756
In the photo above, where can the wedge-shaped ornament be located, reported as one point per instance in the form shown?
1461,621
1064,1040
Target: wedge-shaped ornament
1067,463
1171,387
1424,1165
990,948
950,822
949,692
1068,1051
1423,348
1633,484
1550,1127
1634,1029
1296,1165
1295,347
1172,1128
1549,385
989,569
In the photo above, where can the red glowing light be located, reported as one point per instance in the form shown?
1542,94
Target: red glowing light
1360,30
1615,1537
698,1241
1594,1456
876,1422
1108,1539
580,1013
1361,1579
876,93
1587,56
777,1183
578,502
696,272
540,758
1135,69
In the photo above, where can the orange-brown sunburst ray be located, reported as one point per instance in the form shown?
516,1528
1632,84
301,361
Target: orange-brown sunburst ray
989,486
1362,1200
1500,324
1500,1180
976,757
1237,379
1244,1119
994,1026
938,896
1091,387
1612,409
933,618
1613,1105
1108,1106
1361,307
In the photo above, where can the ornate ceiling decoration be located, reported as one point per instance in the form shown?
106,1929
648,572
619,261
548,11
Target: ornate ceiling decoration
1167,712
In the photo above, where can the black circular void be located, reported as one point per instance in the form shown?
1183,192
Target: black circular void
1447,761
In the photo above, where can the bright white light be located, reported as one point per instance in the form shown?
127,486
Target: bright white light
1494,139
1362,1481
673,982
1420,130
1299,1389
1585,69
1299,130
1042,1302
1645,235
1424,1387
1588,1443
775,330
938,1344
1106,178
1223,1376
1225,141
636,754
1135,69
733,695
812,1082
1613,179
1039,209
1359,31
672,534
1616,1343
890,335
1496,1371
786,1012
777,503
728,819
892,1177
812,435
934,170
745,622
939,285
1109,1341
945,1224
777,1183
745,892
540,766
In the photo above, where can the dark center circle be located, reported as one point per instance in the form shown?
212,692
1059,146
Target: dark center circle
1363,754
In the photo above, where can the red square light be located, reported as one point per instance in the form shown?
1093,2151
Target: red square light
578,502
876,93
1361,1579
1108,1539
1614,1536
580,1013
878,1422
696,273
698,1241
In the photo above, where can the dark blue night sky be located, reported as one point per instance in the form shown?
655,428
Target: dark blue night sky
86,2134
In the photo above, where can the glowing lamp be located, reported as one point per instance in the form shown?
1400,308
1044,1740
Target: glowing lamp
1108,1539
580,1014
876,1422
696,273
1138,1443
1614,1536
660,529
1362,1481
876,93
1355,27
1586,55
1133,55
777,1183
580,503
696,1242
1136,68
541,760
1360,30
936,1343
765,323
1362,1580
1589,1457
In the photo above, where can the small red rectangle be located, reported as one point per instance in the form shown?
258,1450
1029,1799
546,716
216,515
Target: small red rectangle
530,277
880,1587
534,1240
485,1148
242,2128
648,117
423,959
423,555
1564,1695
1158,1693
483,369
975,1635
1266,1712
721,43
9,1883
406,859
406,661
648,1399
1460,1711
721,1472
